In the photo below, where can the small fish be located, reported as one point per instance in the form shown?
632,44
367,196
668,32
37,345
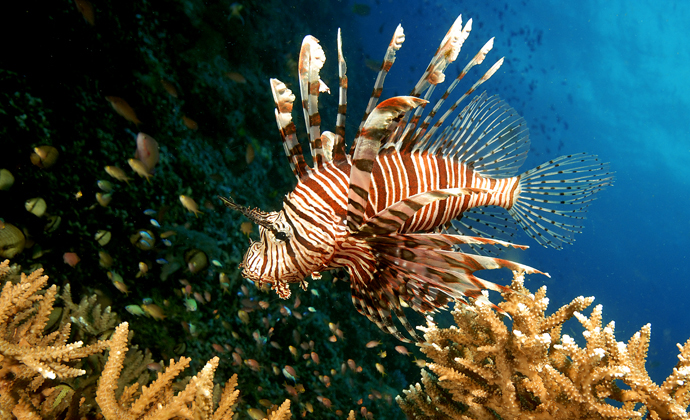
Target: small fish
150,212
243,315
113,276
155,223
372,344
190,123
135,310
249,157
235,10
380,368
117,173
140,168
294,351
325,402
121,286
154,367
247,228
104,199
263,304
253,364
235,77
190,205
105,186
315,357
168,234
315,292
143,269
147,235
166,242
383,354
122,107
236,358
217,263
169,87
256,414
190,304
86,9
44,156
290,373
104,259
218,348
311,309
78,195
155,311
260,340
147,151
199,298
420,362
402,350
291,390
71,258
224,281
161,261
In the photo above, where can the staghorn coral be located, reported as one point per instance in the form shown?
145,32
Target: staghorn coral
35,368
158,400
42,376
483,369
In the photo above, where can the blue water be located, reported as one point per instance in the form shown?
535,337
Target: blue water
609,79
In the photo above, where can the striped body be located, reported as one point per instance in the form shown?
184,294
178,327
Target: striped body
397,176
316,210
390,211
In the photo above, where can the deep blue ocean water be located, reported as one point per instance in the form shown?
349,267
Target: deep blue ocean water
609,79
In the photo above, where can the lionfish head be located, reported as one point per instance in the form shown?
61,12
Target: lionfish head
264,260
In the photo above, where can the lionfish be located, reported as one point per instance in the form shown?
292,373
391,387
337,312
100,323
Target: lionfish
392,209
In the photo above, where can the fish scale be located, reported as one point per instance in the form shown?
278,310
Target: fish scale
391,210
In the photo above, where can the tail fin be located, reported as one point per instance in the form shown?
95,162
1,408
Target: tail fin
553,197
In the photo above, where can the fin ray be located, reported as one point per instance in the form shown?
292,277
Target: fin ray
550,197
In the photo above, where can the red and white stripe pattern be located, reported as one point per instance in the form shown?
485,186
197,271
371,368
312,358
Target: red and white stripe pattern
398,176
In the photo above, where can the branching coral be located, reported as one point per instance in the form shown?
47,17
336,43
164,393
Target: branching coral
158,400
31,363
483,369
40,371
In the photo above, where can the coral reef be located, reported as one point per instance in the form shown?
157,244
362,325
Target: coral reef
40,370
158,400
37,370
484,369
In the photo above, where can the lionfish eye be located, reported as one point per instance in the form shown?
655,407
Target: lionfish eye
281,236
